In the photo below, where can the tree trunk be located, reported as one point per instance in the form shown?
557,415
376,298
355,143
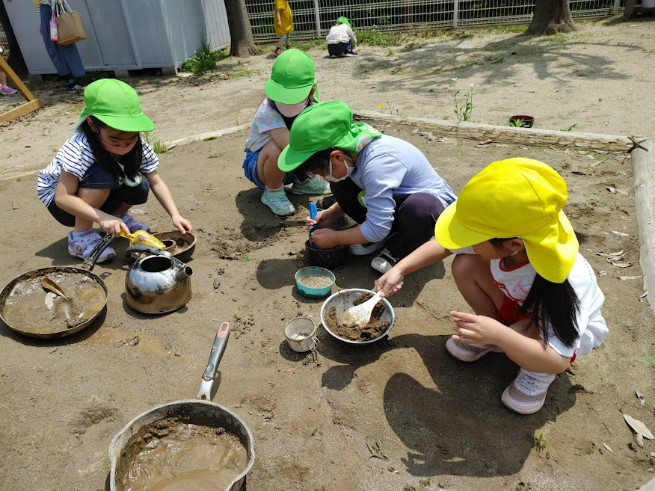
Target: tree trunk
242,41
551,17
15,59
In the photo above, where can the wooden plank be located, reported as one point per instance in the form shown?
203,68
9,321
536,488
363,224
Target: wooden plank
21,110
643,165
521,136
20,86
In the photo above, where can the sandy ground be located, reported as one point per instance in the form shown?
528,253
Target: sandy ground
441,422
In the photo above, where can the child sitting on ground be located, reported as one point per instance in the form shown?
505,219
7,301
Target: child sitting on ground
97,175
534,296
383,183
341,39
289,91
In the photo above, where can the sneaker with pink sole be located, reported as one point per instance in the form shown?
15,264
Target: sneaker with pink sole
527,394
6,90
83,244
470,352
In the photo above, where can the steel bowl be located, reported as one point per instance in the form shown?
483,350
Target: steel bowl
344,299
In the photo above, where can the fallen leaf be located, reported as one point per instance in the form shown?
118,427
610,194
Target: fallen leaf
607,447
642,399
639,438
638,427
620,234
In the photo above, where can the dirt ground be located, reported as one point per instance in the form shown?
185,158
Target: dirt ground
440,422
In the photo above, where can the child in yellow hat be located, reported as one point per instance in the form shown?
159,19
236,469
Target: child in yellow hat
534,296
105,169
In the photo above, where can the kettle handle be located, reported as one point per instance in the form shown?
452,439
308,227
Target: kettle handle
139,248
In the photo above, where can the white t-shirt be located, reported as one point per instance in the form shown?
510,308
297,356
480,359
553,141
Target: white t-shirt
515,283
340,33
75,157
266,118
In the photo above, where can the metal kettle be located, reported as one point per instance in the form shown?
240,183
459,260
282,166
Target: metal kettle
158,282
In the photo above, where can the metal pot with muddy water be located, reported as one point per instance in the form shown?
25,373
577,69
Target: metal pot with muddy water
158,282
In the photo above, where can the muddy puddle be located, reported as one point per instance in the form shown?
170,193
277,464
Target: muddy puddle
373,330
32,304
174,455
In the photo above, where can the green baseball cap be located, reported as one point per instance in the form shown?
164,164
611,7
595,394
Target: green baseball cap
116,104
292,77
321,126
343,20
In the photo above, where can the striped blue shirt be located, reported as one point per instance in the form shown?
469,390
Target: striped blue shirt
75,157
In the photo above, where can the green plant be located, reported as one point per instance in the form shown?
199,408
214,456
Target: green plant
650,359
571,128
157,145
375,38
540,443
217,154
204,61
464,111
245,258
377,451
517,122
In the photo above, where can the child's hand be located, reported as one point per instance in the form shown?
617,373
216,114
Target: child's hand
182,224
114,226
387,282
325,238
476,329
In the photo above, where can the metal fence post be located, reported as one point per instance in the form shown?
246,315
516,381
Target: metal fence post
455,13
317,18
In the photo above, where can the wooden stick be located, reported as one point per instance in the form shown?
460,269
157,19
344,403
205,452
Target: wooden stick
643,165
522,136
32,103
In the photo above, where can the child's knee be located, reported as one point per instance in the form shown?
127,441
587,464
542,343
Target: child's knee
465,265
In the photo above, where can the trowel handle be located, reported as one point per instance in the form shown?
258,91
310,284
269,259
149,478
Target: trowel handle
312,210
218,348
90,261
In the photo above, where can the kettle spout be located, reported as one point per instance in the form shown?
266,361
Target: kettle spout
183,273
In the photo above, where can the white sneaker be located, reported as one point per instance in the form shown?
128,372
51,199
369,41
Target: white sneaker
365,249
384,262
526,395
278,202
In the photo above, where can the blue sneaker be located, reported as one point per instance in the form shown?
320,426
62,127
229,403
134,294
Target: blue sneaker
82,246
133,224
278,202
313,185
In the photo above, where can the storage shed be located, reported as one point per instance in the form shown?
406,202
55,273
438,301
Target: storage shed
127,35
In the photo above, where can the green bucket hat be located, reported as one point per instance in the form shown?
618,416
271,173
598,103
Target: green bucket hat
343,20
292,77
116,104
321,126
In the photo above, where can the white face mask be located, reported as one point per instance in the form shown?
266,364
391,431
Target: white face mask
291,110
331,178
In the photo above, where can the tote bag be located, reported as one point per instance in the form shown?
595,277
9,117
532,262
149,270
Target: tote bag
69,24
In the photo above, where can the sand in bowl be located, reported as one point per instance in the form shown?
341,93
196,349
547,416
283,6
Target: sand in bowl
373,330
174,455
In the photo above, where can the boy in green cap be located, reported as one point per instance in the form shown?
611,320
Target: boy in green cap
341,40
384,183
97,175
290,89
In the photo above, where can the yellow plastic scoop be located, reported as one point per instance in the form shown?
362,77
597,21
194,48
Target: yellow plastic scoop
144,238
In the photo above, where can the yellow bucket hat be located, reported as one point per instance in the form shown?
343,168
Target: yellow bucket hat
516,197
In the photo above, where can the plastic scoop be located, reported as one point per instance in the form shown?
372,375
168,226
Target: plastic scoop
360,315
144,238
312,214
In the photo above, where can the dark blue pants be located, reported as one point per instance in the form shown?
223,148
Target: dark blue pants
66,59
338,49
413,220
98,178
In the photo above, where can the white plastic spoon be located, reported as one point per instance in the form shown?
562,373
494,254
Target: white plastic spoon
360,315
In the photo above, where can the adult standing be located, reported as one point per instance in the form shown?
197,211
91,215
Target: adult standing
66,59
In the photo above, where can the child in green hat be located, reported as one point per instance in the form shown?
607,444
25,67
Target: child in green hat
341,40
291,88
97,175
384,183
